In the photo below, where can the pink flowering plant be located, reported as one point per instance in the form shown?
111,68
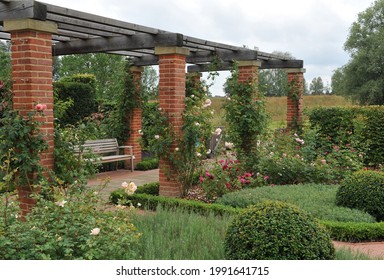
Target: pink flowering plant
227,175
22,137
293,159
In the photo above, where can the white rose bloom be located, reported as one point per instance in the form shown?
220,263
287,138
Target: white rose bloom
95,231
61,203
217,131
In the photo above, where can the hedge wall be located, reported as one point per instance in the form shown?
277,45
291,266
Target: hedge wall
81,89
360,127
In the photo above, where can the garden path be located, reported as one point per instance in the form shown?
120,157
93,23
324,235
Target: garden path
115,178
373,249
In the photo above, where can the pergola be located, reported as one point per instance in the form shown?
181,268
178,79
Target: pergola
39,31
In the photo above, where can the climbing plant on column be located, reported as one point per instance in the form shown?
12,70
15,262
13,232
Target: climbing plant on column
246,117
184,153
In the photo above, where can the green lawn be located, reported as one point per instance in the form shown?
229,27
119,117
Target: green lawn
319,200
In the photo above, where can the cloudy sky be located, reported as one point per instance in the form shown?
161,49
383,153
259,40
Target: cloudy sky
312,30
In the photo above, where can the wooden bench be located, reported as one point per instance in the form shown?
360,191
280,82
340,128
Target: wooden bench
106,150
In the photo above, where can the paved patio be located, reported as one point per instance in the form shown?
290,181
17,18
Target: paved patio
115,178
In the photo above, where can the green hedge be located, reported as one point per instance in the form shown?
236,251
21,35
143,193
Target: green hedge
148,164
151,202
355,232
150,188
362,127
82,90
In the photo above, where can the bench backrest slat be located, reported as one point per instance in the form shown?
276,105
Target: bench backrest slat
100,146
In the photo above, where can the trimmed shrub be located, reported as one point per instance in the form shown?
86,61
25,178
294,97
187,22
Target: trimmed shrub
355,232
275,230
363,190
120,195
148,164
82,91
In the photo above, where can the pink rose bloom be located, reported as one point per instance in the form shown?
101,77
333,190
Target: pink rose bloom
40,107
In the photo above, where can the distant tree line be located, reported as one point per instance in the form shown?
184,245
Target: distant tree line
362,78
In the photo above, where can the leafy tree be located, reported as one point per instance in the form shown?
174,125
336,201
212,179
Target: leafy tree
5,63
274,82
316,86
150,83
363,76
338,86
107,68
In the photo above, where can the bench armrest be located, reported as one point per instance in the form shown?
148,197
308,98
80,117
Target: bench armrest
127,147
122,147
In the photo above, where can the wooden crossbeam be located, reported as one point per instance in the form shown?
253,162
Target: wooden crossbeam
117,43
22,9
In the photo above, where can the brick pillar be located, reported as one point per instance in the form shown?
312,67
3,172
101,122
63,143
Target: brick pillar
295,99
172,64
32,82
249,72
136,117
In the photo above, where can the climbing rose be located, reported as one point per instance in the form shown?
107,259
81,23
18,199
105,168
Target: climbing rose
217,131
207,103
61,203
40,107
228,145
95,231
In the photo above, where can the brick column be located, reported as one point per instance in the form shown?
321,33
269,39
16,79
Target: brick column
136,117
295,99
32,82
172,64
249,72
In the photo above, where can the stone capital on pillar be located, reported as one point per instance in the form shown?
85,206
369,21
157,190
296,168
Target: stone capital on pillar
295,70
171,50
30,24
246,63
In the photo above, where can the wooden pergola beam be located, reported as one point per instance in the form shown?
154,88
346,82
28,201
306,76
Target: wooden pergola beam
23,9
79,33
117,43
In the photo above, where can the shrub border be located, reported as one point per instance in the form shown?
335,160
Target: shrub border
340,231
